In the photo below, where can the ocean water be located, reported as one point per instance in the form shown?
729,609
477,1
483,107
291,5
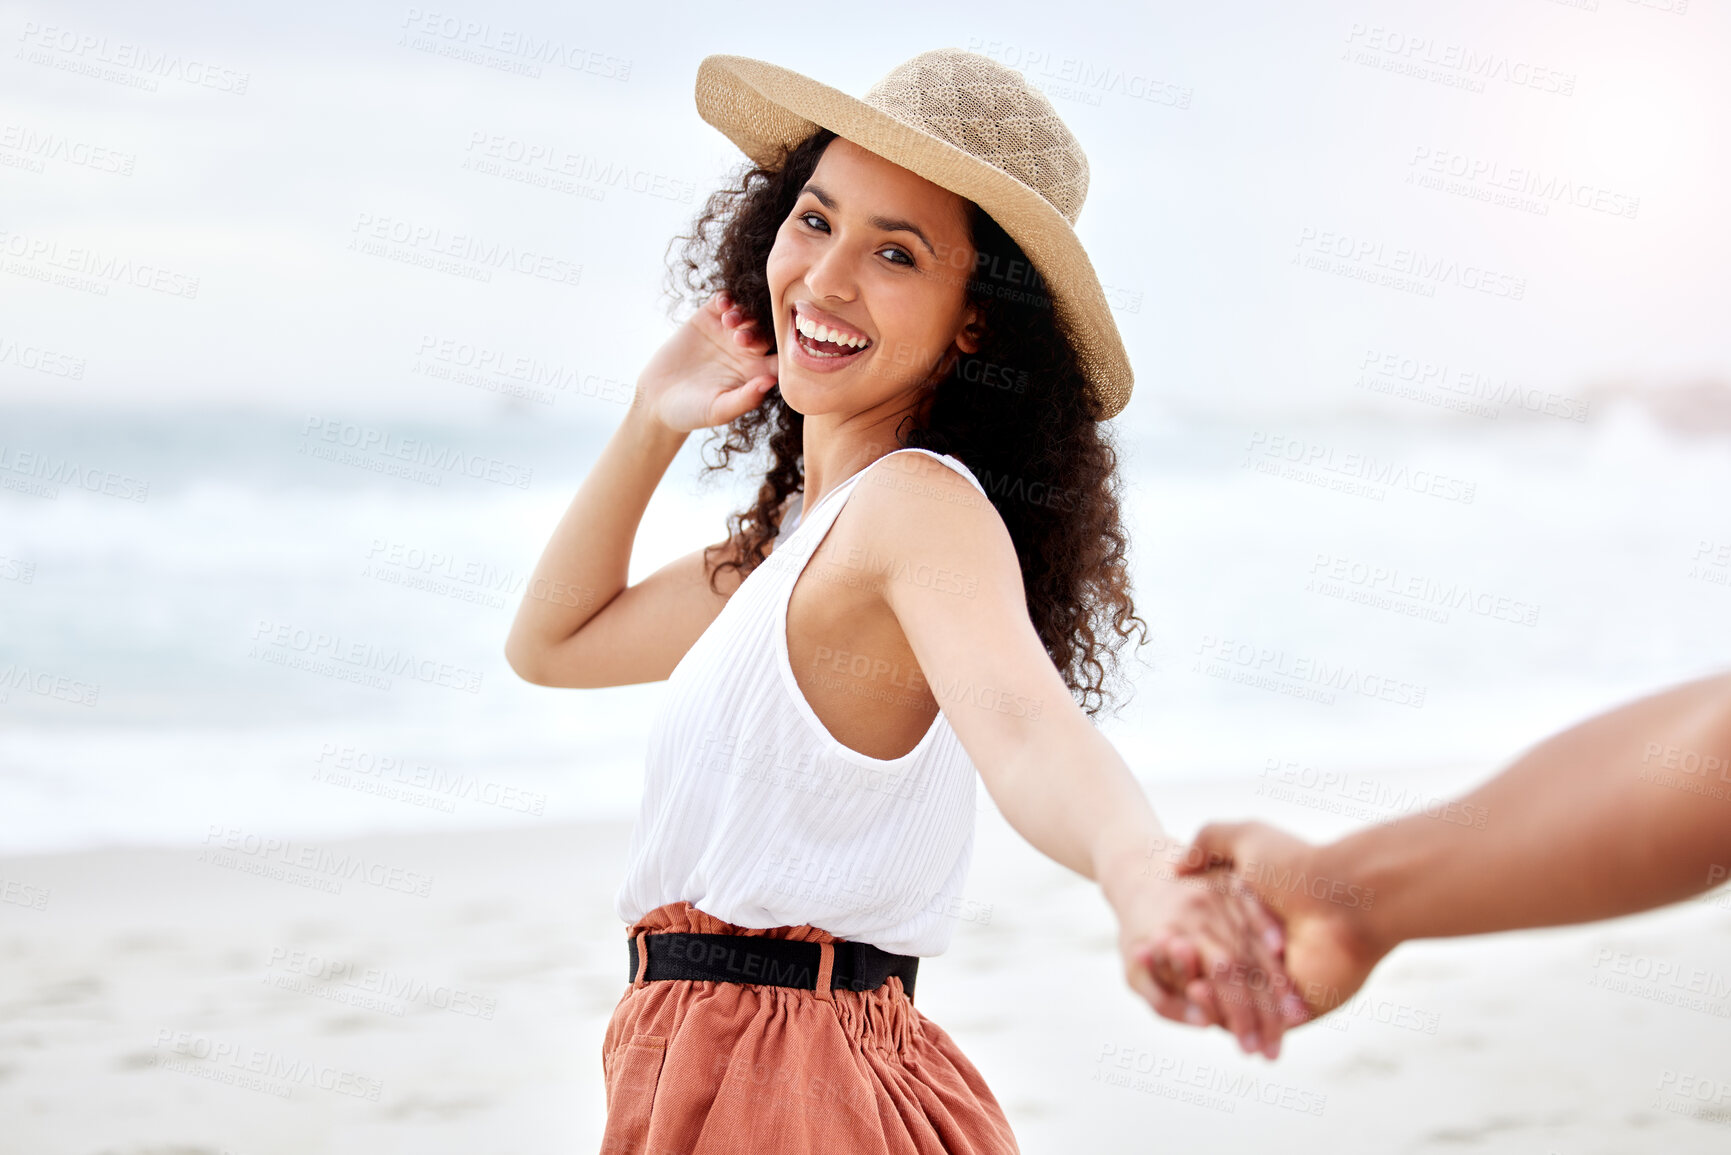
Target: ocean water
1394,589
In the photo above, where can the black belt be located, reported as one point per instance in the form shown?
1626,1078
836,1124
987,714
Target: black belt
776,962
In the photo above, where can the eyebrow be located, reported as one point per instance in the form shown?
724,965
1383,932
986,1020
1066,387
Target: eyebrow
888,224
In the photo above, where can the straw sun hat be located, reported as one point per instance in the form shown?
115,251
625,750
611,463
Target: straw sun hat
968,124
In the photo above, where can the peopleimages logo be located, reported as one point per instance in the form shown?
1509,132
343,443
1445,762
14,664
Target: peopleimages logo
349,443
41,254
465,253
1492,175
1300,459
1205,1085
1418,595
94,55
370,988
447,34
284,643
37,147
1301,676
1367,259
47,684
255,1068
43,474
228,845
1459,65
40,360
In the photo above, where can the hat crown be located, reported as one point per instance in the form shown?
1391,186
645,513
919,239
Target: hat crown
991,112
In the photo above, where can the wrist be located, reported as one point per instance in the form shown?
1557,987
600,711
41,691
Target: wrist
643,425
1372,872
1128,866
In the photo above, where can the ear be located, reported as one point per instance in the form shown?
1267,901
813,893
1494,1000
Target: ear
973,332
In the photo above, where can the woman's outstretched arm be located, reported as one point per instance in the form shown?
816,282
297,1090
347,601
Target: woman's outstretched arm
1058,781
1628,810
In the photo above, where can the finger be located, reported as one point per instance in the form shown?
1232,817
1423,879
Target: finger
1231,1006
1268,996
1174,962
733,403
1257,922
1177,1008
1139,974
1151,968
1214,845
1165,1001
1200,994
1294,1009
1167,997
1274,937
1270,929
1241,965
1261,980
1264,1003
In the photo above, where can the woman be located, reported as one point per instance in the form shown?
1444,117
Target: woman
897,302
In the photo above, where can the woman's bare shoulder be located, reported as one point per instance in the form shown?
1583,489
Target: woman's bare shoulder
915,504
928,481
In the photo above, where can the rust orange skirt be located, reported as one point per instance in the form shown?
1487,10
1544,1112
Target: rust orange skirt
695,1067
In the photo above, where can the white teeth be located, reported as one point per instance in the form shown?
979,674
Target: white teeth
824,333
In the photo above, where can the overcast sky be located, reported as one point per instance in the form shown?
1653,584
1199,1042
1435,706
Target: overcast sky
237,162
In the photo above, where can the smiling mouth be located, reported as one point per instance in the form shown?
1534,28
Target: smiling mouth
828,350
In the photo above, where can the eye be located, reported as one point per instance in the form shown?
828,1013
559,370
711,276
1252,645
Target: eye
806,218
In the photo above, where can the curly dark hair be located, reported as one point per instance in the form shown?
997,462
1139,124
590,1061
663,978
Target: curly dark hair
1018,413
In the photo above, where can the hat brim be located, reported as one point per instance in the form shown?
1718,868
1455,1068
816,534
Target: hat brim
764,108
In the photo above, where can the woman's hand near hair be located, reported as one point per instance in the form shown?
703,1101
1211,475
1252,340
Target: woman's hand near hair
579,624
713,369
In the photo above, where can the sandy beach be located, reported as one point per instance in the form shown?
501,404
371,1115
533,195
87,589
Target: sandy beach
451,992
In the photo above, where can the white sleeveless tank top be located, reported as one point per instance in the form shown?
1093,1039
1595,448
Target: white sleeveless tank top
754,813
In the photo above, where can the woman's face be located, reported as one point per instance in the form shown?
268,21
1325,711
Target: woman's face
883,255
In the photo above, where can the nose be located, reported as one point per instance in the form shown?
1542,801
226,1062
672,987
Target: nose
832,273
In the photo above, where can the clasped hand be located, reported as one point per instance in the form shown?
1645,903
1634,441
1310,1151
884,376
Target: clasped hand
1201,948
1224,931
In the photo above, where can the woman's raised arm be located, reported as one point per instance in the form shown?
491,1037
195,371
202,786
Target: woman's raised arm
578,624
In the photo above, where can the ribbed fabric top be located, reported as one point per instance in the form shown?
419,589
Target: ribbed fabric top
754,813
